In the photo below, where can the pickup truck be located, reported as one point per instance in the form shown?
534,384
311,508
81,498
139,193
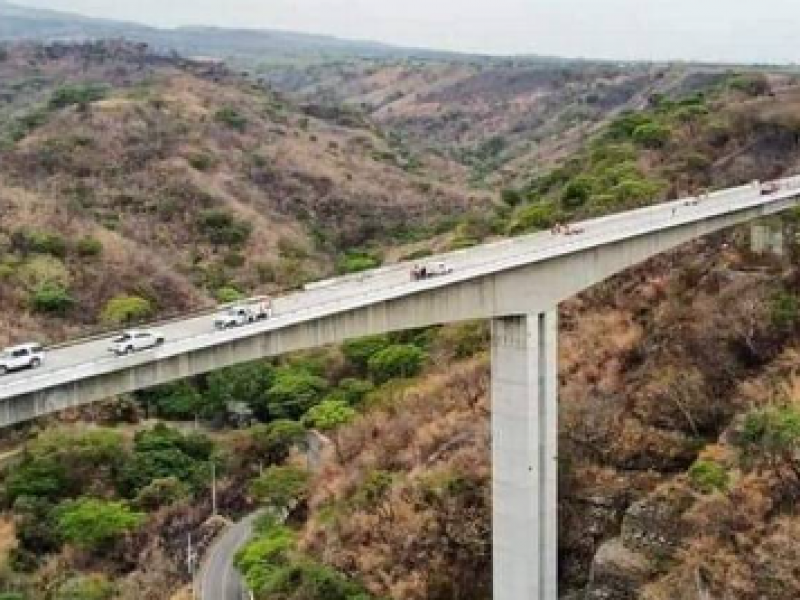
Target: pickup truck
26,356
436,269
244,313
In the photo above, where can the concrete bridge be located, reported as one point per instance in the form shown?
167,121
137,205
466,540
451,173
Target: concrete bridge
517,284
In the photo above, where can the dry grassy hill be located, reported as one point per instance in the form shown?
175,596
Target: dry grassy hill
128,173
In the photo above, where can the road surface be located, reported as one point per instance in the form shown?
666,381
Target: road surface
218,578
71,362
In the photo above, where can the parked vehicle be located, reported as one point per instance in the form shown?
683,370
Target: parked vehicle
437,269
129,342
26,356
244,313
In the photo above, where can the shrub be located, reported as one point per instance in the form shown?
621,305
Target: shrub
126,309
201,161
652,135
79,94
784,310
293,393
360,351
221,228
329,415
511,197
532,218
93,524
577,192
91,587
227,295
753,84
51,298
160,493
89,247
276,440
232,118
396,361
39,242
356,262
771,434
707,476
180,401
281,488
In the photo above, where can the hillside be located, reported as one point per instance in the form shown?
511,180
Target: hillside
250,48
505,119
125,173
134,184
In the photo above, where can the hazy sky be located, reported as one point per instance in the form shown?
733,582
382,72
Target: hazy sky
732,30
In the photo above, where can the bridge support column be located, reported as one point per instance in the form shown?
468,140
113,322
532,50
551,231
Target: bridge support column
524,455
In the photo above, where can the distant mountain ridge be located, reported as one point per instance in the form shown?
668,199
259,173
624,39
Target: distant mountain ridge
19,23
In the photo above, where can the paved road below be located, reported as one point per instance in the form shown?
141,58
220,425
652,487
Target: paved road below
218,578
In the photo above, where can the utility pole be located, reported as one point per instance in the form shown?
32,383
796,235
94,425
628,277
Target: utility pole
213,489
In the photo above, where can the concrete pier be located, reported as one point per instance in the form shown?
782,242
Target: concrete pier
525,456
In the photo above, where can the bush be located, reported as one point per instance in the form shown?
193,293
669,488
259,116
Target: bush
232,118
122,310
511,197
293,393
79,94
275,441
281,488
51,298
533,217
228,295
356,262
223,229
360,351
396,361
201,161
707,476
39,242
577,192
160,493
179,401
784,310
94,524
89,247
652,135
92,587
329,415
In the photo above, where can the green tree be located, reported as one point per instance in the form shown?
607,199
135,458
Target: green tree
396,361
360,351
122,310
329,417
178,401
248,383
294,392
275,440
94,524
281,488
51,298
652,135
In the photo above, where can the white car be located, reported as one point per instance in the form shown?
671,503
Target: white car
435,269
129,342
26,356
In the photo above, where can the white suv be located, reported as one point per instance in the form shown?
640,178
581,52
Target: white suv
27,356
134,341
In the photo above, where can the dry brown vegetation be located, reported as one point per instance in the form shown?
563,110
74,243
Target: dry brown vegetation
190,179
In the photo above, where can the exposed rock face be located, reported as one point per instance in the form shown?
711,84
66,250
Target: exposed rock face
617,572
